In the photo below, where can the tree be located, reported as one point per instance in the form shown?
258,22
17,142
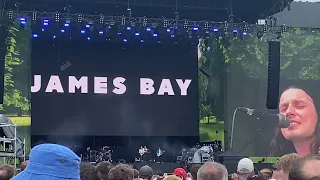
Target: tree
14,102
300,59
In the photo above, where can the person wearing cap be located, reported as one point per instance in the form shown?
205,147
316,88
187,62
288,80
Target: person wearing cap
245,168
180,172
51,162
146,172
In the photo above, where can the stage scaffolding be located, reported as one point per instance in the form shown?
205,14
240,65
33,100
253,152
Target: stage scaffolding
12,148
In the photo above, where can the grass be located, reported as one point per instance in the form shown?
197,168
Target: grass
21,121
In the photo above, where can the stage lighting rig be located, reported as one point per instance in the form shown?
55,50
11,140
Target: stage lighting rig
139,28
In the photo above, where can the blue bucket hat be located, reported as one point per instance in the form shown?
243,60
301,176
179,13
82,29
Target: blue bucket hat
51,162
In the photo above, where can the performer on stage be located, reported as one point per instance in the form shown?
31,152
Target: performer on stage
303,134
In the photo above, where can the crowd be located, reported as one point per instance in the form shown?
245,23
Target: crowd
56,162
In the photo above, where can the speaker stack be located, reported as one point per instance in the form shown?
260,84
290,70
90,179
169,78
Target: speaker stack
273,75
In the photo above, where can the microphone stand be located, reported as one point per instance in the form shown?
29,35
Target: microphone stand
232,126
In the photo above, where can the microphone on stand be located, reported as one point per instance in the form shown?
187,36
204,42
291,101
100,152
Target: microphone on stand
283,120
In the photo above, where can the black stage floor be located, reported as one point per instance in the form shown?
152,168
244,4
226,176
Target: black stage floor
169,167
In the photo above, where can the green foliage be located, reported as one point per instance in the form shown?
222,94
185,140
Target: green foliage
248,57
14,101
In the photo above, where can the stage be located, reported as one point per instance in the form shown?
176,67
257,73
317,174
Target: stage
169,167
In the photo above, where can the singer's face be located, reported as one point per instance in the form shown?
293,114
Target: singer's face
299,107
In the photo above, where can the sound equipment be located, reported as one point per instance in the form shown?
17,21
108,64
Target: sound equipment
273,75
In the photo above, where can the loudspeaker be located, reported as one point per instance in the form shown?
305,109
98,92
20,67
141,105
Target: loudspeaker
273,75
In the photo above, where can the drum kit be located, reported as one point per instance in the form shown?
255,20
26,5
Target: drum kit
104,154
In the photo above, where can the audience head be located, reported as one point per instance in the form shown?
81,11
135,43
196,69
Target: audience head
103,169
7,172
266,173
180,172
282,167
306,168
194,170
23,165
121,172
146,172
88,171
212,171
51,162
171,177
245,168
135,173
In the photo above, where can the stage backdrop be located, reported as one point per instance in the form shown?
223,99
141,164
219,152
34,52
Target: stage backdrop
114,89
236,72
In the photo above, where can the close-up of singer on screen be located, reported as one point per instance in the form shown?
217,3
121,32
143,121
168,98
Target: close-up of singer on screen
303,134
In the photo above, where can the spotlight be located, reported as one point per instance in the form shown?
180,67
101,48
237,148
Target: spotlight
148,29
195,28
168,30
128,28
82,31
54,36
35,35
34,16
46,22
67,24
100,32
235,31
57,17
155,35
137,34
244,33
88,38
215,30
62,31
142,41
125,40
23,21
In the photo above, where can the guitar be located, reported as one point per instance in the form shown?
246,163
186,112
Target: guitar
143,150
160,152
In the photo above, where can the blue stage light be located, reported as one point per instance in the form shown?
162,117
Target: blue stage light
148,29
35,35
23,21
244,33
42,29
155,35
136,34
87,26
54,36
195,28
125,40
235,31
215,29
168,30
82,31
172,35
128,28
119,33
62,30
66,24
88,38
142,41
46,22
